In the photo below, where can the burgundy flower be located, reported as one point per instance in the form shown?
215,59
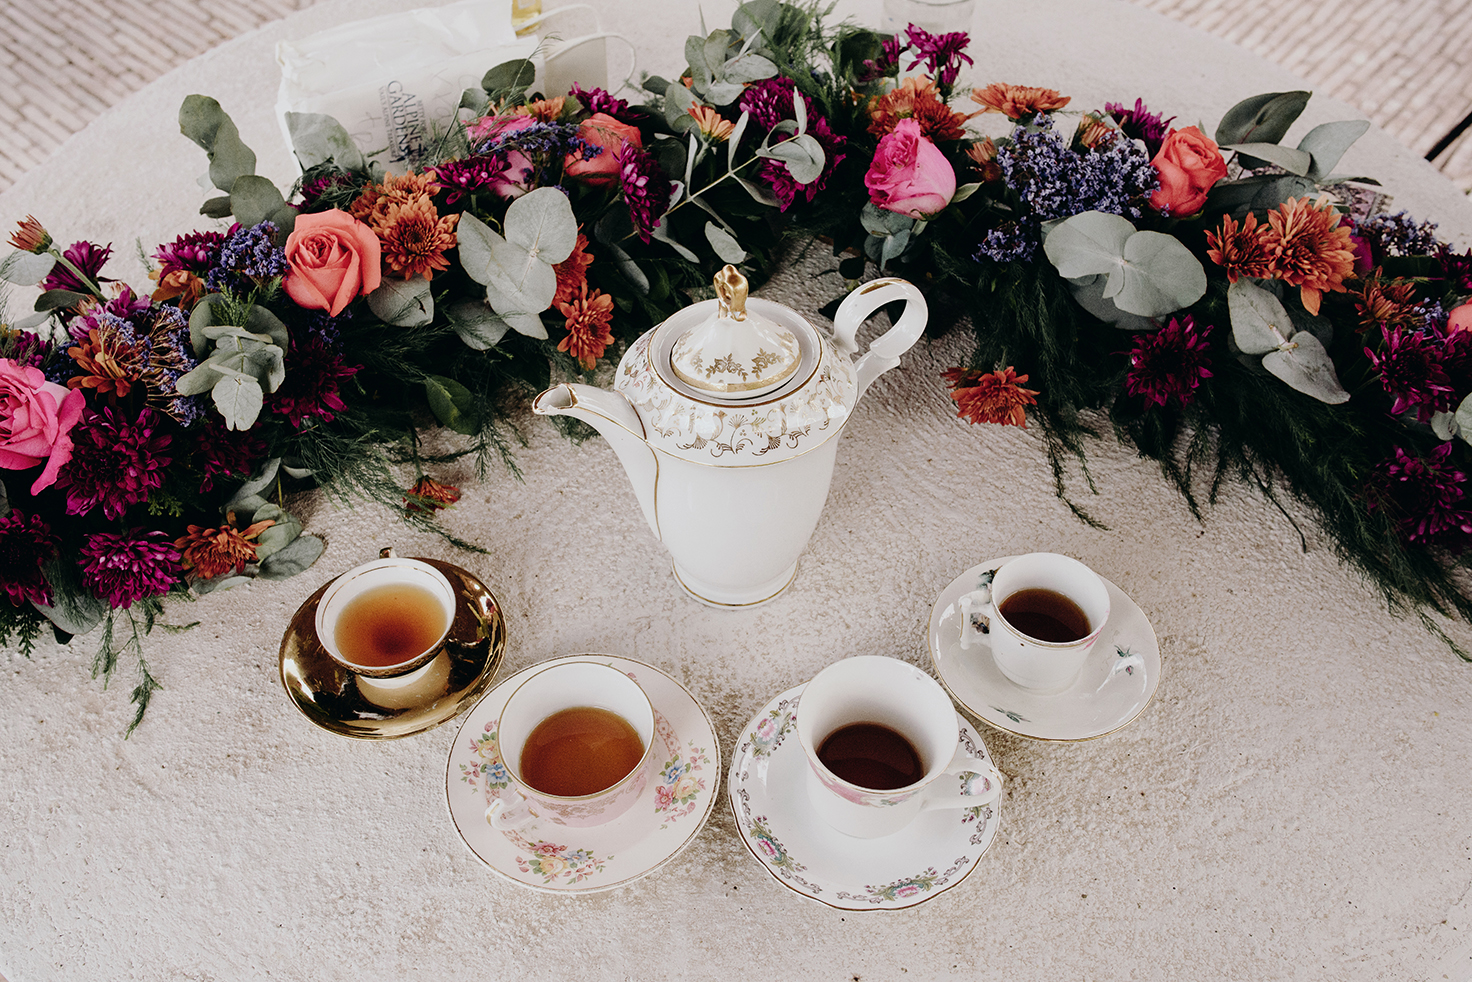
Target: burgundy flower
596,100
194,252
1456,268
26,544
1411,370
310,390
87,257
771,101
115,463
469,174
130,566
1170,363
941,53
223,452
1140,123
646,190
28,350
1423,494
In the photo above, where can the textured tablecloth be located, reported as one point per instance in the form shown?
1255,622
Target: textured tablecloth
1293,805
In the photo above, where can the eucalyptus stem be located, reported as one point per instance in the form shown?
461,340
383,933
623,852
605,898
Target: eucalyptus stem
86,280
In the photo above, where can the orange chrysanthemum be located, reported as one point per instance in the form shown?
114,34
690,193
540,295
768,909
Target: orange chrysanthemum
110,364
1308,248
916,98
984,155
572,272
1017,101
415,237
215,552
181,283
428,496
547,110
991,397
31,236
1094,130
373,206
1238,248
1389,303
588,335
712,125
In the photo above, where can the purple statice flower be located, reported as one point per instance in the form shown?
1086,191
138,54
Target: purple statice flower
223,452
941,53
193,252
1411,370
1399,235
127,567
1140,123
87,257
310,390
124,313
1170,363
115,463
248,258
169,355
645,188
596,100
1424,494
1011,241
26,349
326,328
26,544
1056,182
770,102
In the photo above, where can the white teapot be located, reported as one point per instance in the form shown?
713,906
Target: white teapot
726,418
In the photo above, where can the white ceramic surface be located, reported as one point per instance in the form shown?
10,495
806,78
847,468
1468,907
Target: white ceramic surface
767,785
1113,688
675,802
1046,666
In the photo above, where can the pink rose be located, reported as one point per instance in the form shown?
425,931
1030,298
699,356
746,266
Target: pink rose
909,174
1459,318
1188,163
604,131
334,258
515,179
36,420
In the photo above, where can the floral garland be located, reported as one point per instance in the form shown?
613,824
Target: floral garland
1227,302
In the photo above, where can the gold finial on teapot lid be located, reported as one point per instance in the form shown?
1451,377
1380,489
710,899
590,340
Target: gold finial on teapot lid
731,291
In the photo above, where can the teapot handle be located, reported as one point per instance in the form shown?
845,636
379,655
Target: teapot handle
884,352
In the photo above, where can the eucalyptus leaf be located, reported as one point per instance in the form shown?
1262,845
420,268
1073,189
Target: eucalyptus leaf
317,138
295,558
529,324
965,191
542,223
1464,419
519,282
509,76
216,207
234,335
201,317
268,365
247,504
1327,142
1263,118
661,233
402,303
239,401
750,68
452,403
259,321
58,299
803,156
1089,243
724,93
475,239
277,537
882,221
255,199
198,380
893,247
4,500
74,610
31,321
1088,291
713,52
203,121
1445,425
228,582
300,473
800,115
734,139
1160,276
759,194
1260,322
26,268
476,324
1280,189
678,102
725,246
1293,161
1307,367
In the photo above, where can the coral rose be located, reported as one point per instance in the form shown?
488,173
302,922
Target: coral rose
1459,318
1188,163
604,131
36,419
334,258
909,174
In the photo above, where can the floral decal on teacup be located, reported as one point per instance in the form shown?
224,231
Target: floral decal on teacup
908,886
860,796
487,770
773,728
553,862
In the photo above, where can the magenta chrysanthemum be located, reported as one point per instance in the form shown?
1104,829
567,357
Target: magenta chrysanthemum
1423,494
310,390
941,53
1411,370
124,568
115,463
1140,123
771,101
26,544
194,252
222,452
1170,363
646,190
597,100
87,257
470,174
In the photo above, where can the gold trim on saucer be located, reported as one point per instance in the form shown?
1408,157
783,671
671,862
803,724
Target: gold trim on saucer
328,695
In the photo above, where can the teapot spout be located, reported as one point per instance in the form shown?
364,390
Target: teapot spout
616,421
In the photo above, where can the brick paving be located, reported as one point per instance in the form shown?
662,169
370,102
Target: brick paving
1407,64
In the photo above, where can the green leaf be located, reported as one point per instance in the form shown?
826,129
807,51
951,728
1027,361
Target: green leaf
542,223
295,558
1280,189
4,500
529,324
519,282
509,76
1087,244
259,321
1160,277
476,324
1260,323
239,401
725,246
278,536
1464,419
199,379
57,299
1262,118
1445,425
1088,293
203,121
402,303
1293,161
734,140
26,268
317,138
678,101
803,156
217,207
1307,367
759,194
882,221
268,366
965,191
749,68
74,609
476,239
201,317
255,200
452,403
1327,142
228,582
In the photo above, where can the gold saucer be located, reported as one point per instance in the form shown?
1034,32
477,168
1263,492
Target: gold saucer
327,694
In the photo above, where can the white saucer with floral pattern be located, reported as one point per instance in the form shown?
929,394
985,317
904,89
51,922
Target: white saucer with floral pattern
558,859
768,789
1116,683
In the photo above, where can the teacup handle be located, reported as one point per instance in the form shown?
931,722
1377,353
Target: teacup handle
505,817
968,783
884,351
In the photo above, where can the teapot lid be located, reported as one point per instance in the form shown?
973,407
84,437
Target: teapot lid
735,351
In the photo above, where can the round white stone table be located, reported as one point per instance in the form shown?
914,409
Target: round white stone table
1293,804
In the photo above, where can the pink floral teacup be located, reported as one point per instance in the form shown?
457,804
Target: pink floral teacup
570,686
871,691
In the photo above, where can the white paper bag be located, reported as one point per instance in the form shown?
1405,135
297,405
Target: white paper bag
394,82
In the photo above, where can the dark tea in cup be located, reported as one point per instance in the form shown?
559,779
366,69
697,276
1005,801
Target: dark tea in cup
871,755
1046,615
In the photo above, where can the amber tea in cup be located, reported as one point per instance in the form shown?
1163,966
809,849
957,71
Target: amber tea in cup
389,624
1046,615
579,751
